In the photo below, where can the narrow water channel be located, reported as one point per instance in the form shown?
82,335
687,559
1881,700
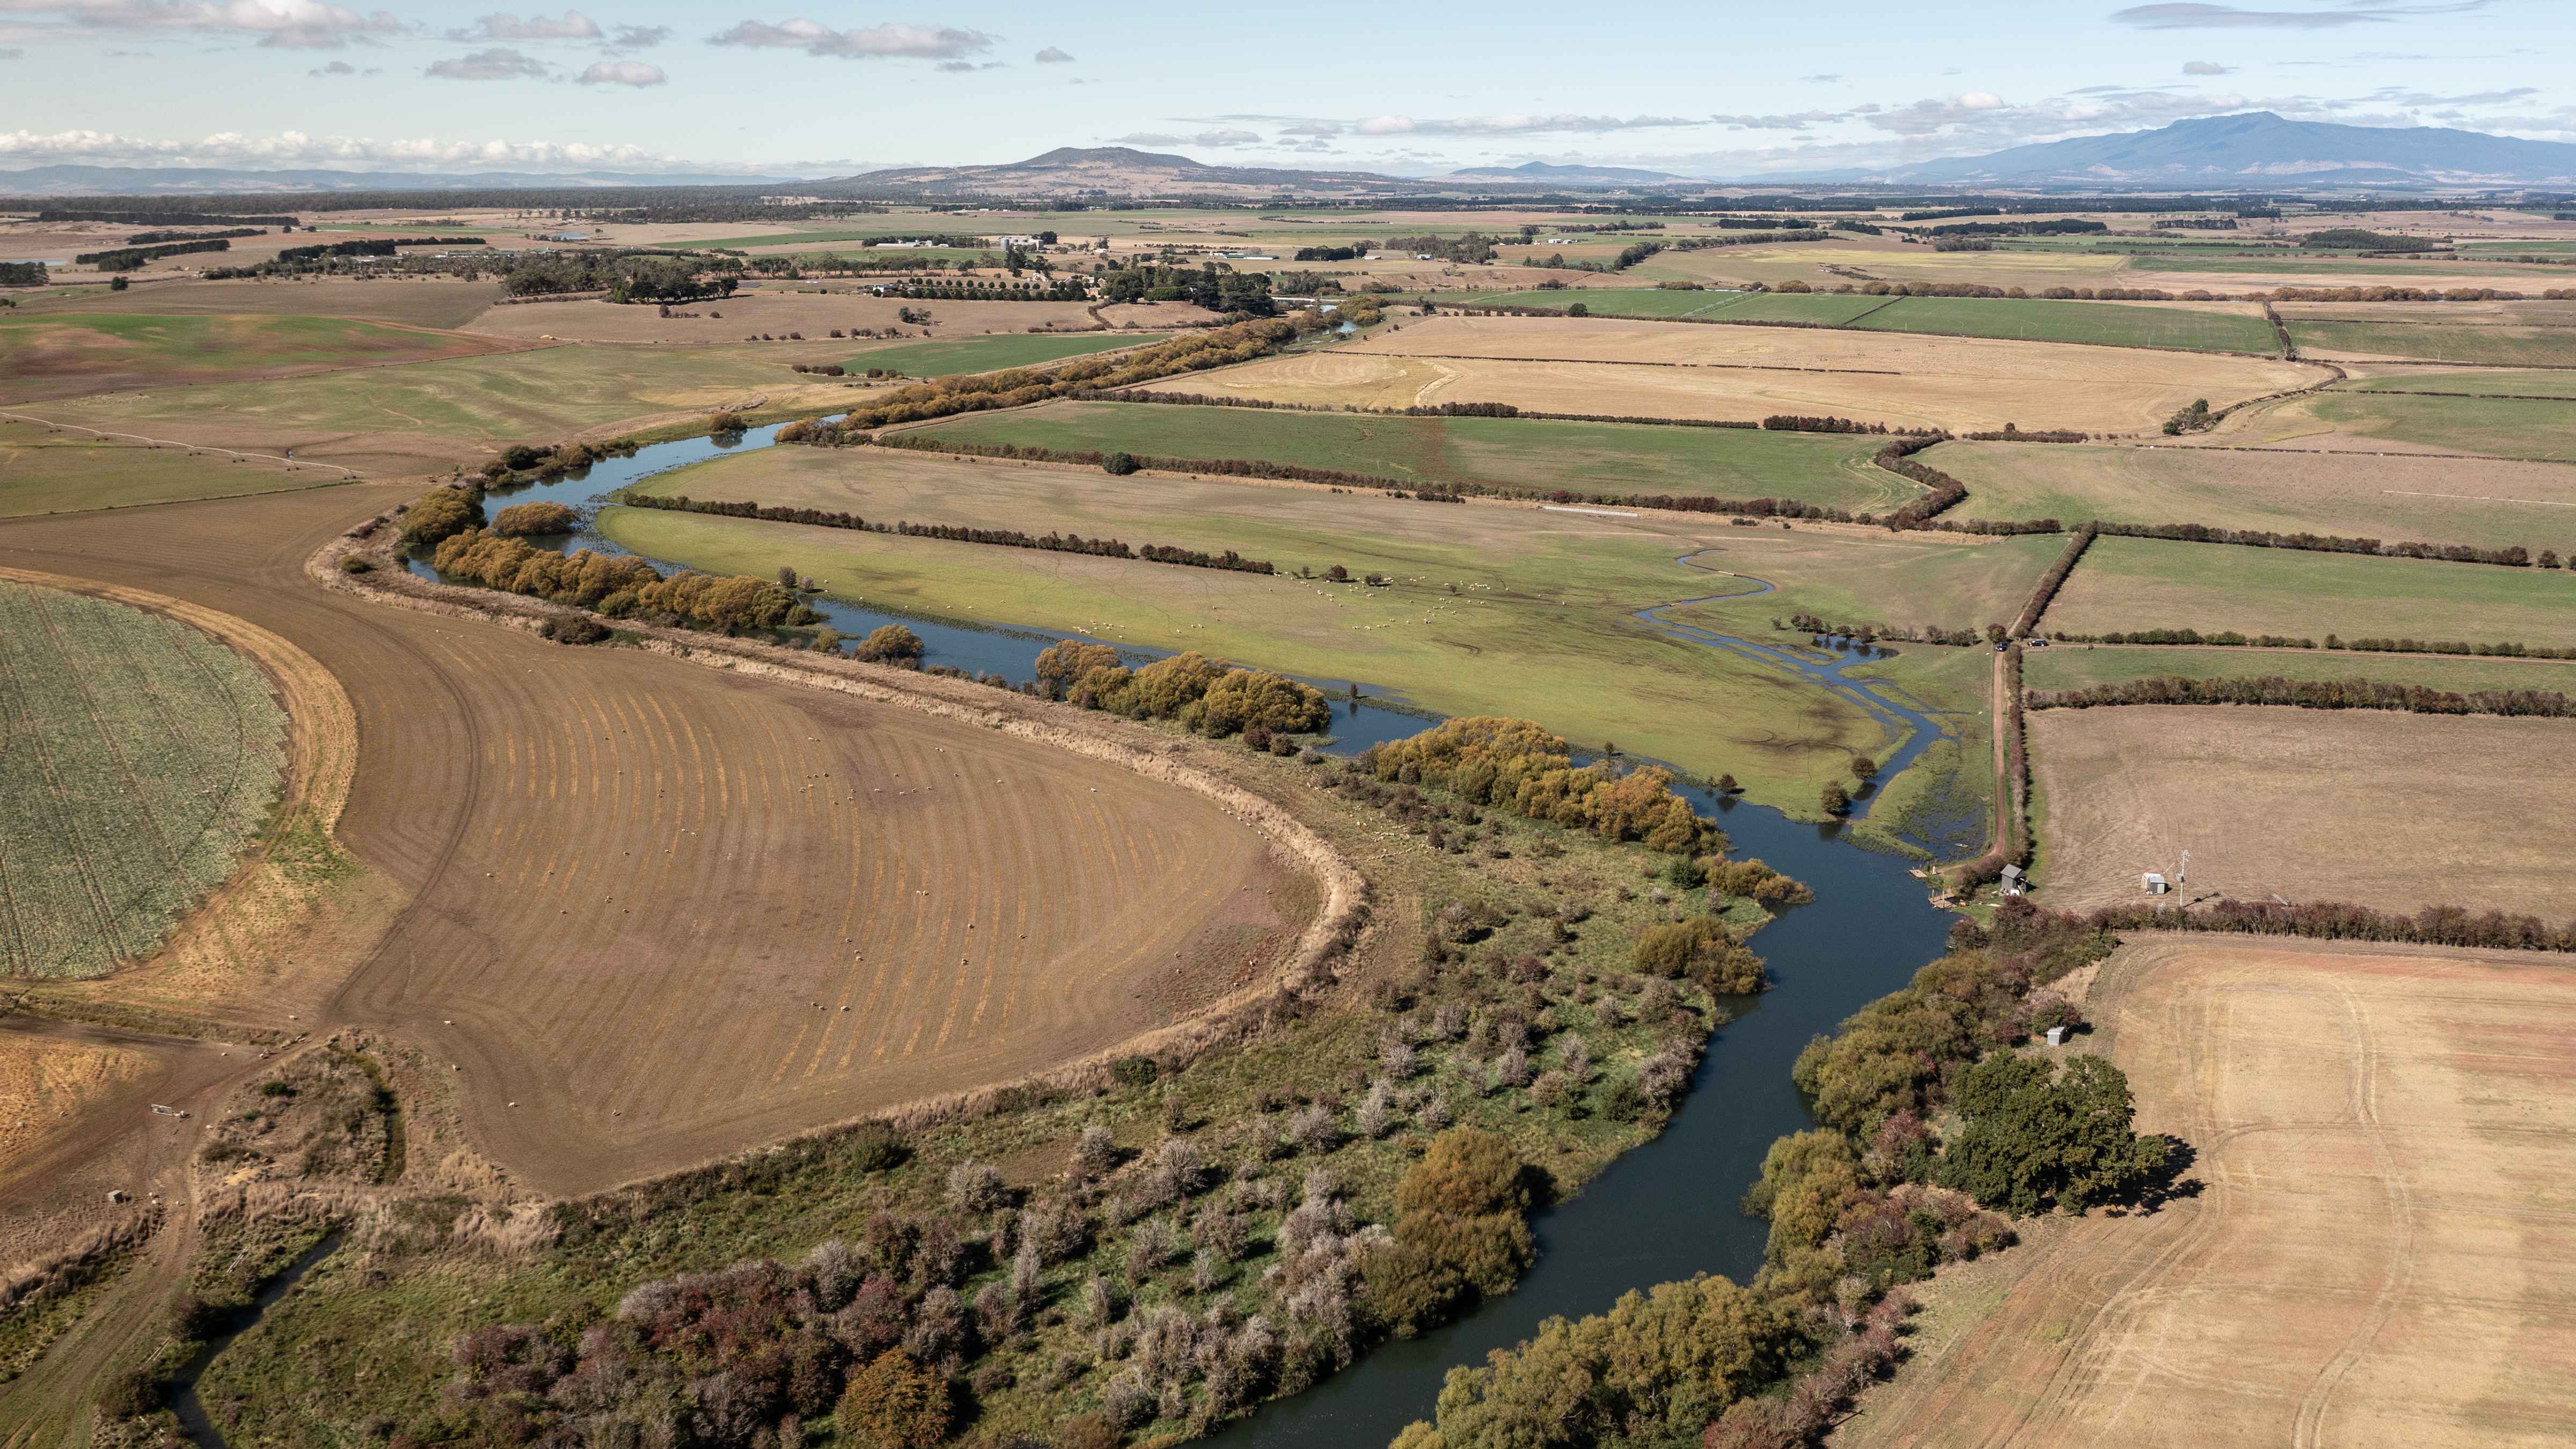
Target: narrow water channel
194,1421
1663,1212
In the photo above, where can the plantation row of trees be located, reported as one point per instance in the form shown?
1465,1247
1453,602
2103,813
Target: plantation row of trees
2231,638
384,246
986,289
147,238
2354,238
1874,1199
2312,694
2514,556
2054,226
639,276
1203,694
165,218
2341,921
22,274
1018,387
1218,289
1051,542
127,258
1470,247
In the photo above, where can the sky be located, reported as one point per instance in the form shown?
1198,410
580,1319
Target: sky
1719,88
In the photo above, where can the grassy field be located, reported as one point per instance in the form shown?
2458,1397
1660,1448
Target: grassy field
143,757
1654,303
2127,584
431,302
68,353
2107,323
2074,666
2379,1170
44,472
990,354
2433,342
2497,427
1493,609
2485,382
1521,453
426,416
2494,503
1906,579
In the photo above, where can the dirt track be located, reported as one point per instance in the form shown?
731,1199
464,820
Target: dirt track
2380,1256
632,879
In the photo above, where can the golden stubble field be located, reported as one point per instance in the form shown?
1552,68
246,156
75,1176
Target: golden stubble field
1681,370
776,312
2382,809
2378,1257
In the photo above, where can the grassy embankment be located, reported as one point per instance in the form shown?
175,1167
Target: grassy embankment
1539,623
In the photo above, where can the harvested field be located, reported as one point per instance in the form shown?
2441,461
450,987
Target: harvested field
640,891
1539,621
2390,810
429,302
776,312
2433,342
141,759
2342,420
42,471
990,354
2377,1258
2078,666
2127,584
425,418
1564,365
2494,504
1654,303
46,1081
66,355
1537,455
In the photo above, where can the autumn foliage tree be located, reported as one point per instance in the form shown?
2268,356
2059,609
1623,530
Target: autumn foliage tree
896,1402
1460,1229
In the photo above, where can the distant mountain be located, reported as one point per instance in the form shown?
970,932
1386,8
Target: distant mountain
207,180
1070,171
1547,173
2255,151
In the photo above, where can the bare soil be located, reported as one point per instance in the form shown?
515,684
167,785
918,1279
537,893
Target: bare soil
2376,1254
2390,810
655,913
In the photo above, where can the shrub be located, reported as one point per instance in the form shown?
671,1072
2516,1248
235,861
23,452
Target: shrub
1702,949
1118,465
896,1402
891,644
441,514
522,519
1459,1229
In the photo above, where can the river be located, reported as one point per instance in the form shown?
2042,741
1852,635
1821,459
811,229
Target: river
1668,1209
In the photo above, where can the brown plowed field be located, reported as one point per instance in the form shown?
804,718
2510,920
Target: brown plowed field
2396,811
643,891
1682,370
2379,1257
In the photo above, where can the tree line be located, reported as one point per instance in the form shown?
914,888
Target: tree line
2514,556
621,586
2341,921
165,218
147,238
371,246
2274,689
1218,289
636,276
1051,542
1515,765
22,274
2053,580
127,258
1207,695
2230,638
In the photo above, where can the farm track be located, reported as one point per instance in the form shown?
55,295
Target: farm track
670,913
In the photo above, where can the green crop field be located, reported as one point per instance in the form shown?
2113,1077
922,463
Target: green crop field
2501,427
1649,302
2129,584
2073,666
2108,323
42,472
1493,609
2485,382
2516,248
1540,455
143,756
2435,342
2491,503
991,354
2329,264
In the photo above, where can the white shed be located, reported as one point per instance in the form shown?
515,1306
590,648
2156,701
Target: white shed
2154,883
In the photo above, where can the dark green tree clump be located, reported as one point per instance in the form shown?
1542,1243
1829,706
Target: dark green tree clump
2038,1138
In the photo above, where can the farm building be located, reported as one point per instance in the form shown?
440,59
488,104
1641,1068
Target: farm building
2154,883
2014,881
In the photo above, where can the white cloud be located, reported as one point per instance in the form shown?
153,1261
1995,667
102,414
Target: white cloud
1513,125
2206,67
571,25
498,63
960,67
1225,136
286,24
12,53
639,37
2176,16
1053,56
877,42
1821,80
623,73
295,148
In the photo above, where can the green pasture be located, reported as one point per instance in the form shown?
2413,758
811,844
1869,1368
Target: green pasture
42,472
2105,323
2073,666
2129,584
2434,342
2485,382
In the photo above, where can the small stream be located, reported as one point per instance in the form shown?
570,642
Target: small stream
193,1418
1668,1209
